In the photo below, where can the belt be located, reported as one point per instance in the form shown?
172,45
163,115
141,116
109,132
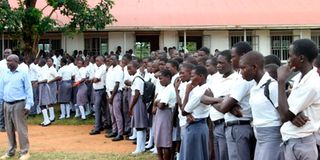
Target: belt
42,82
219,121
14,102
237,122
99,89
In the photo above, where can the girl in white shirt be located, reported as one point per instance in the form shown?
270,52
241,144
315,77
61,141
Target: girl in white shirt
52,78
82,97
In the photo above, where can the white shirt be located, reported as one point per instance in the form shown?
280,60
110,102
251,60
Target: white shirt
24,68
174,78
221,86
114,74
90,70
43,73
81,74
3,66
137,84
304,97
241,92
65,72
34,71
127,76
74,68
182,92
100,73
263,112
56,61
52,73
168,96
197,109
159,88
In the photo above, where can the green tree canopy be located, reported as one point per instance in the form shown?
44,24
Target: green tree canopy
27,23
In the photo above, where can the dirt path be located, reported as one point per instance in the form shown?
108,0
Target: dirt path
59,138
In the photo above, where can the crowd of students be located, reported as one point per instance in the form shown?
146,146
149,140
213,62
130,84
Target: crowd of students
233,104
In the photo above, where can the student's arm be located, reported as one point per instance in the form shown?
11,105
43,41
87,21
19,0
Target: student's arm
115,89
134,101
185,107
226,105
176,89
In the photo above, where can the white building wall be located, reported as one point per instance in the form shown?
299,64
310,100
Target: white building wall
69,44
264,41
299,34
218,40
124,39
168,39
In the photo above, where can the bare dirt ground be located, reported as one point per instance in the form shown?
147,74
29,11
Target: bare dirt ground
66,138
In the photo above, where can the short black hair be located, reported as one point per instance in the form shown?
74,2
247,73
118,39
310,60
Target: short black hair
135,64
64,60
188,66
226,54
205,49
272,59
174,63
317,61
201,70
242,48
213,61
305,47
191,60
164,59
42,61
166,73
179,60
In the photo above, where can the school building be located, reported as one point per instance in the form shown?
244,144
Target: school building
268,25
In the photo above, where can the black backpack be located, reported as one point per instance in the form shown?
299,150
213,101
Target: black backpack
148,90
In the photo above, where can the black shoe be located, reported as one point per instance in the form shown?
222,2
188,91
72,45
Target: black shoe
135,141
118,138
127,132
111,135
45,125
149,148
53,120
94,132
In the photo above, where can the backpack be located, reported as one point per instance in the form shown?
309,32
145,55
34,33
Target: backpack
267,92
148,90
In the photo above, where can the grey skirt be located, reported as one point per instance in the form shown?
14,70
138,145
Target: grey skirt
268,143
74,94
140,117
82,96
163,128
44,94
53,91
65,91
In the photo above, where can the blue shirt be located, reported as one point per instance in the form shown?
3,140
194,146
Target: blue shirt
16,86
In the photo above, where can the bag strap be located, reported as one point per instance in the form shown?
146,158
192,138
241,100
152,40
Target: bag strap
267,91
138,77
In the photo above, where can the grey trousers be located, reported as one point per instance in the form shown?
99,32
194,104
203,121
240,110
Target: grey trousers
98,109
33,109
2,124
125,109
239,142
301,149
16,120
220,143
116,108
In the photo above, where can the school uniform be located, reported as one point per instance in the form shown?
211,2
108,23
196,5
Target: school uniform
266,119
74,69
52,74
90,73
196,136
163,118
238,131
23,67
33,73
126,100
220,87
56,61
115,74
45,97
82,97
65,90
304,97
176,131
182,119
99,88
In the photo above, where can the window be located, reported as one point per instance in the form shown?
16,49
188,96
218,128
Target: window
96,43
280,46
193,43
316,40
235,39
49,44
142,49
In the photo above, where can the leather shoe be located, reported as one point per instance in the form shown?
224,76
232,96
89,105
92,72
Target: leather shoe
25,157
94,132
111,135
118,138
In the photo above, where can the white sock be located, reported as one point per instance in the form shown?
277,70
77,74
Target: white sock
38,109
51,111
150,142
68,110
178,155
83,115
63,111
77,113
45,116
134,134
139,142
88,109
143,141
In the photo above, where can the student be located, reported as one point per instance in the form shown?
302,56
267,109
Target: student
90,67
99,88
195,140
264,106
180,89
163,117
126,94
44,92
221,87
82,97
137,108
34,71
52,82
114,81
64,88
304,98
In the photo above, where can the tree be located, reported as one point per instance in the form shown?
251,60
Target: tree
27,23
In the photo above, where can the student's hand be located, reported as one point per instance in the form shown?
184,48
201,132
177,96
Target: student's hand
283,73
208,93
130,111
190,119
177,83
189,87
26,111
236,111
300,120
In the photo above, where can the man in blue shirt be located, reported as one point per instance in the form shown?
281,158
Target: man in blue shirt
17,98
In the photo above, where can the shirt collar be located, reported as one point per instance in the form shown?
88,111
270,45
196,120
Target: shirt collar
264,79
311,73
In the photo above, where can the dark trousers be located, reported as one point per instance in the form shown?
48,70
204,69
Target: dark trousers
98,109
